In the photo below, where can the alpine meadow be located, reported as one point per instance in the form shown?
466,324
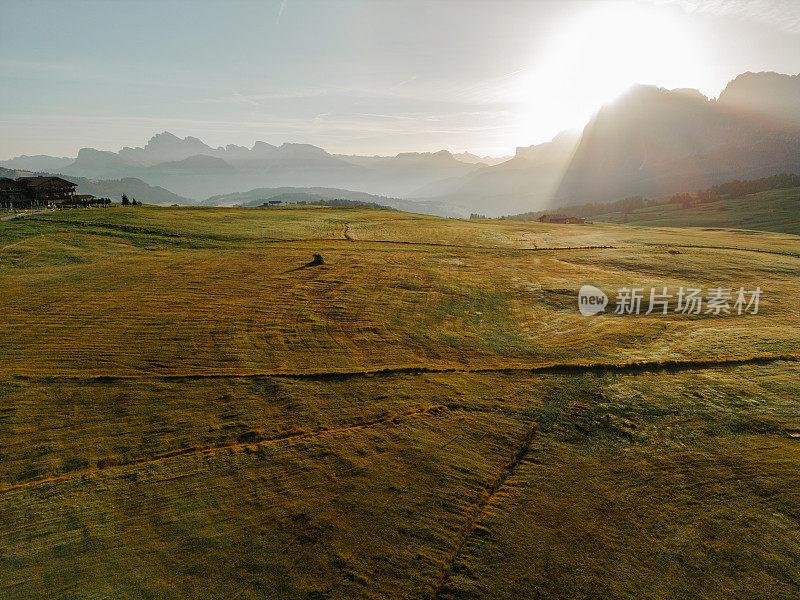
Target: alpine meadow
311,354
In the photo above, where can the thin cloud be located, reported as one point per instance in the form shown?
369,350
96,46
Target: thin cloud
280,11
256,99
784,15
404,82
518,71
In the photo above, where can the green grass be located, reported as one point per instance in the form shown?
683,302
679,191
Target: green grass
186,412
773,210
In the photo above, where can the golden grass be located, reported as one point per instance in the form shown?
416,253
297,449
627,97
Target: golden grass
188,413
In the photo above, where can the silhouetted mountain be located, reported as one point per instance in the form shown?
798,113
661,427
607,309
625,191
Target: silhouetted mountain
37,163
528,179
554,152
403,174
650,142
192,168
770,95
198,164
474,159
191,176
164,147
98,163
653,141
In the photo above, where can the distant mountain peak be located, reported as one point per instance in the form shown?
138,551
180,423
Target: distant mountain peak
164,135
766,94
655,141
38,162
473,159
692,93
261,146
167,140
441,154
556,149
295,150
92,155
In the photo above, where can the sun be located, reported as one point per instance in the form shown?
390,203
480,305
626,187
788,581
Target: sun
598,54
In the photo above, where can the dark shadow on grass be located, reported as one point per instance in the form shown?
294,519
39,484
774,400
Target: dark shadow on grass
318,260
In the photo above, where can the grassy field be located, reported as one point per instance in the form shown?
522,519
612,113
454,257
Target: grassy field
773,210
190,408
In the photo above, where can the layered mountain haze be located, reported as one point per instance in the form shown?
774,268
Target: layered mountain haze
191,168
409,173
39,162
654,141
164,147
474,159
651,141
530,178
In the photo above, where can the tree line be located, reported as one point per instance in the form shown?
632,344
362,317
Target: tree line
130,202
737,189
342,203
731,189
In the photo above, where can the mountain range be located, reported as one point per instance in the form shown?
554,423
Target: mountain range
191,168
649,142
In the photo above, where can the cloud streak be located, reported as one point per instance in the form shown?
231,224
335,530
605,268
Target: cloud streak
783,15
280,11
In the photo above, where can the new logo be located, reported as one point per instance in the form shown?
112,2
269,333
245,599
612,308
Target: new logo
591,300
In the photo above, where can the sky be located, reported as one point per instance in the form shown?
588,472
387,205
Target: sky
361,76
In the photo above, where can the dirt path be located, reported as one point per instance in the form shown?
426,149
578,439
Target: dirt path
22,215
236,446
347,233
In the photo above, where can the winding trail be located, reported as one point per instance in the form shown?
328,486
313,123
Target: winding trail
235,446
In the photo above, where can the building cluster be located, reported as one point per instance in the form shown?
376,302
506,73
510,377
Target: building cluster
32,192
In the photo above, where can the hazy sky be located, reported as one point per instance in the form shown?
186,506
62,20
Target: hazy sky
360,76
